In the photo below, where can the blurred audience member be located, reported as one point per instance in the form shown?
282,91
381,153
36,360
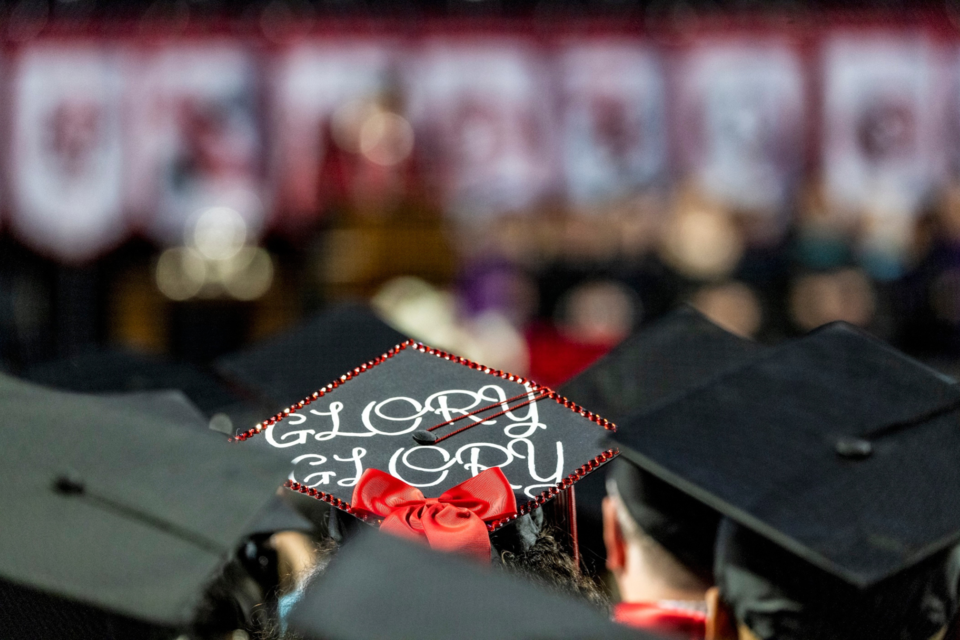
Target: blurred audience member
733,305
592,318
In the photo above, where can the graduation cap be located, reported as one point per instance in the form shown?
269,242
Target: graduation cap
380,587
171,404
835,447
673,355
417,423
112,514
288,367
123,371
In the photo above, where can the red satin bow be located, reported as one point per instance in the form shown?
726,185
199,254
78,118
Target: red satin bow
456,521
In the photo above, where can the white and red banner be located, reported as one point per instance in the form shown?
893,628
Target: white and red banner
739,119
481,109
613,119
66,164
883,144
195,139
313,84
110,136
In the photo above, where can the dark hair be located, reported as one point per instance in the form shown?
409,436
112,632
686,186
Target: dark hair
549,566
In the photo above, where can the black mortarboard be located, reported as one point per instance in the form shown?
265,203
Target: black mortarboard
171,405
175,408
779,596
384,588
379,414
670,356
124,371
835,447
675,353
287,368
118,512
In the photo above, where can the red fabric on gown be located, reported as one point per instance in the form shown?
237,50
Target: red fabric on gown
555,358
652,616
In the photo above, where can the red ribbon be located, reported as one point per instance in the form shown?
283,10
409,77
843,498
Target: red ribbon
456,521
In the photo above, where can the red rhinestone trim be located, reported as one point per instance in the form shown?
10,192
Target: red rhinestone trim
525,508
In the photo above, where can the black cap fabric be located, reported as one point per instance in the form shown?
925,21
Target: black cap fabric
672,355
835,446
122,371
385,588
175,408
172,405
375,416
676,353
779,596
117,509
287,368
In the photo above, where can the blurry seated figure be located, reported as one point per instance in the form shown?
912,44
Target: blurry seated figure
660,550
591,319
764,592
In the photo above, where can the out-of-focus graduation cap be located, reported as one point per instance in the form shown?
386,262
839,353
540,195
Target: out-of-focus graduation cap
835,447
381,587
434,421
287,368
171,405
675,354
123,371
175,408
112,514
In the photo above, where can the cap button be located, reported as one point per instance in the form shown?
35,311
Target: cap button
423,436
853,448
68,484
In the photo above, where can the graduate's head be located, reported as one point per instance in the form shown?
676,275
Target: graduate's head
673,354
764,592
834,460
659,540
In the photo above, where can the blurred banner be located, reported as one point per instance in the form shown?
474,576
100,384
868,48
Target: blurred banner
739,120
194,137
482,111
326,96
113,135
614,127
883,145
67,161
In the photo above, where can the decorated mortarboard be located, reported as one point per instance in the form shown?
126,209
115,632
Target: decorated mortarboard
417,426
116,511
286,368
123,371
835,447
379,587
670,356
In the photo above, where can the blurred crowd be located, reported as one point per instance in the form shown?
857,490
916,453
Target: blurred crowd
543,293
526,197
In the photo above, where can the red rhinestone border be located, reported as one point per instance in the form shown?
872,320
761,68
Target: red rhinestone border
523,509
